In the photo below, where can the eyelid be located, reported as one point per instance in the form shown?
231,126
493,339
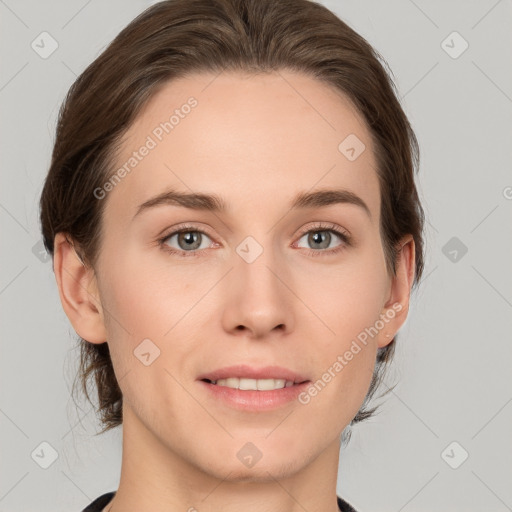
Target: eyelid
318,225
183,227
324,226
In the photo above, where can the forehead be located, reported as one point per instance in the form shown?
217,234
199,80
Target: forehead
246,137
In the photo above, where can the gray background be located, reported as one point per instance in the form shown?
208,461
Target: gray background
455,352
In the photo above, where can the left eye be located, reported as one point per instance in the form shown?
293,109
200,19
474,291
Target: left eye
321,238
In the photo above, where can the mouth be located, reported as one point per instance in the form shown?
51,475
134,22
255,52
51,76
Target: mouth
253,395
247,384
253,389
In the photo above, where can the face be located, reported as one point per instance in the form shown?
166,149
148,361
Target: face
261,282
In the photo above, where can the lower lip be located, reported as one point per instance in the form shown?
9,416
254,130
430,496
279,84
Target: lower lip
253,400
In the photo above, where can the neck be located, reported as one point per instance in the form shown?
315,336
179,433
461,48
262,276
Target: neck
155,477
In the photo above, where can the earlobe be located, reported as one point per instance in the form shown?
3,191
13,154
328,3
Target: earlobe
397,305
78,291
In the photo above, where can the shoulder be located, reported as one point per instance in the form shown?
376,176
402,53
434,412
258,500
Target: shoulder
345,506
100,503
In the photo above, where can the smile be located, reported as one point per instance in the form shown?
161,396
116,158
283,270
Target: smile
252,384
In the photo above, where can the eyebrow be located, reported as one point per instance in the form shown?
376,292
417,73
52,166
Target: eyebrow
214,203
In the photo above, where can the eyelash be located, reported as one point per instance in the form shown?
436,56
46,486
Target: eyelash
344,236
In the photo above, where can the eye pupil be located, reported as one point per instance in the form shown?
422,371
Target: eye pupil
190,238
319,237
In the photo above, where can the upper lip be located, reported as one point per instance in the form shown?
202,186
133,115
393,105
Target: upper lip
250,372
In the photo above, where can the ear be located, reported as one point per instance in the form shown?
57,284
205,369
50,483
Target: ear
78,291
396,307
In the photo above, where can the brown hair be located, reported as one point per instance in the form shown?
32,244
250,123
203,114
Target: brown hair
178,37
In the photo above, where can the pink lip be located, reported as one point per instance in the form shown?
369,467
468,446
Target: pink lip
248,372
254,400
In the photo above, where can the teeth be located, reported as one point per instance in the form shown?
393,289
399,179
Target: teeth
254,384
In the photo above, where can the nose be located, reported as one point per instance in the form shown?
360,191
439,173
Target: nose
258,301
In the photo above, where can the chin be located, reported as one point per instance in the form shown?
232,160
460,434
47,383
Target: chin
260,473
238,466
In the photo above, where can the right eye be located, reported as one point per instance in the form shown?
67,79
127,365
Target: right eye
188,239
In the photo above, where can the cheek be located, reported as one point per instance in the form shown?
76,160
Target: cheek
147,310
147,299
347,302
349,297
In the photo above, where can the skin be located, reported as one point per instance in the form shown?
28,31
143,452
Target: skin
256,141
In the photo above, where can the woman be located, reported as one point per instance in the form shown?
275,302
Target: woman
235,232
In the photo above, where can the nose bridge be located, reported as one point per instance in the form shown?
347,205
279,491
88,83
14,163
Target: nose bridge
257,299
254,265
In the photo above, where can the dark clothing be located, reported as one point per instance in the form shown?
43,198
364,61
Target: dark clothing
100,503
345,506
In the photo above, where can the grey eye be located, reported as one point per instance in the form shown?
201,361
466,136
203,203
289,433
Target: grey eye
319,238
188,240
